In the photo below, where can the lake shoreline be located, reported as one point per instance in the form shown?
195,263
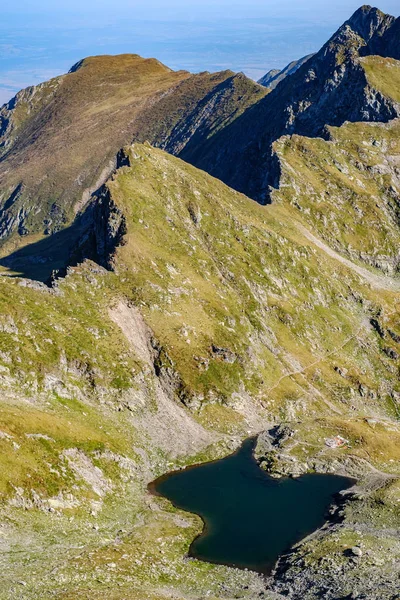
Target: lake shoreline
256,477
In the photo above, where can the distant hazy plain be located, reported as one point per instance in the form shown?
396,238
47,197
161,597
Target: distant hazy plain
38,41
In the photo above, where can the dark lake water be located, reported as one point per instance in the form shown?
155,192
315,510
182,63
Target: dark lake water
250,518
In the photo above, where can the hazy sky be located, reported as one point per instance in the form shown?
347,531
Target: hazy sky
42,38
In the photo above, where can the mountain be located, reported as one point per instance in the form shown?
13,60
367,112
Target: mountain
185,317
222,123
275,76
102,104
268,77
336,85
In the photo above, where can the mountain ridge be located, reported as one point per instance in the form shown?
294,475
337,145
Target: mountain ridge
329,89
275,76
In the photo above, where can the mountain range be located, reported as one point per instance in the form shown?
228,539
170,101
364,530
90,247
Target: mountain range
188,260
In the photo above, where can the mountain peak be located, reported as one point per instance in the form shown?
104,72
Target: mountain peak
119,62
365,11
365,8
368,20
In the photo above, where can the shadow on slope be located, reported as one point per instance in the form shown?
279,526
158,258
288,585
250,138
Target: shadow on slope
42,260
94,235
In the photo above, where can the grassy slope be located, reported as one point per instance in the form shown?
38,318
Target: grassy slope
236,278
208,268
346,189
383,74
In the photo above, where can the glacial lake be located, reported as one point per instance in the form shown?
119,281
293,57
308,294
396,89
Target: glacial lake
250,518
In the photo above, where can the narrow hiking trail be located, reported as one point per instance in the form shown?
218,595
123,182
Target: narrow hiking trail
380,282
376,281
316,362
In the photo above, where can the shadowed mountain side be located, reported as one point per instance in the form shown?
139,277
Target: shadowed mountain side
236,155
94,235
39,260
188,130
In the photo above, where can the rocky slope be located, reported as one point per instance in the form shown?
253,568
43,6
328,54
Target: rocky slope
275,76
331,184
